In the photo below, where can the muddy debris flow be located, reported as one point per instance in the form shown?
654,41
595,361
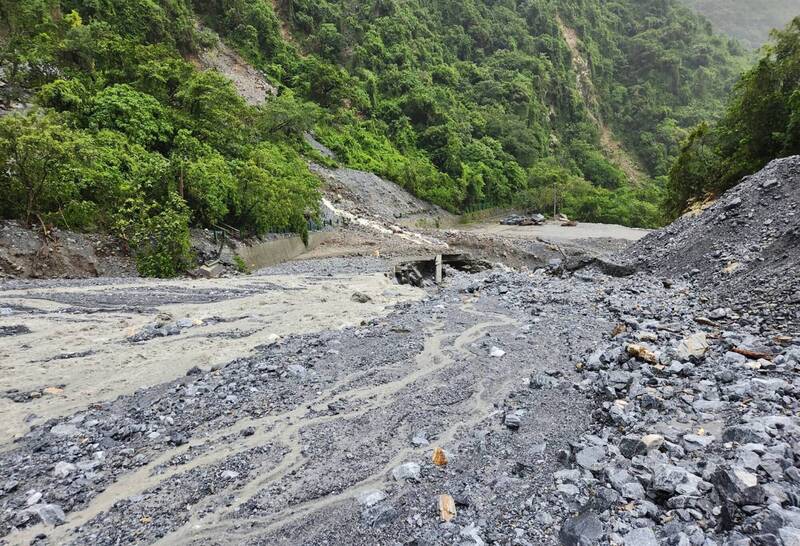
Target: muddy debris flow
624,400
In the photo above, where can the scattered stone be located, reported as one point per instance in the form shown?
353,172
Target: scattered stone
641,537
642,353
543,381
33,498
247,432
590,457
585,529
212,271
447,508
672,480
738,485
633,445
694,346
15,330
439,457
48,514
360,297
63,469
471,533
64,430
420,439
513,421
497,352
371,498
406,472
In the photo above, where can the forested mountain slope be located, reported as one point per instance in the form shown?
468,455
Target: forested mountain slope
761,123
467,104
745,20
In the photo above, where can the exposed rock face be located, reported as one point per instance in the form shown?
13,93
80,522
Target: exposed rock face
26,253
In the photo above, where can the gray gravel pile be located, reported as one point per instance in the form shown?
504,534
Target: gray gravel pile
697,435
744,250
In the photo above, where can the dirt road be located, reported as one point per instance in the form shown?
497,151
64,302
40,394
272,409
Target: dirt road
553,231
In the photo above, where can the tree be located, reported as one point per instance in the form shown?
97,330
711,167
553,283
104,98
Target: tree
215,110
760,124
287,115
137,115
275,190
35,151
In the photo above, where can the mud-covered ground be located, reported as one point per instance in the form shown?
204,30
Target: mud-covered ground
63,343
279,445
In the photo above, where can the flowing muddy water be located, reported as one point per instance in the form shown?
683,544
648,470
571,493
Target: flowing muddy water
81,346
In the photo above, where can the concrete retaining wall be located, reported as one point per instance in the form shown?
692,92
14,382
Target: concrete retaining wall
279,250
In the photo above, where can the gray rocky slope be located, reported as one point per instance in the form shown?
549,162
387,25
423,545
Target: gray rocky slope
573,408
743,250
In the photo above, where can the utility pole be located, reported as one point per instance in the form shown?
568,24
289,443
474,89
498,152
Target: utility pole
555,198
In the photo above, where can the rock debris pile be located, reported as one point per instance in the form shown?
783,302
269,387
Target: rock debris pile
697,437
576,406
744,250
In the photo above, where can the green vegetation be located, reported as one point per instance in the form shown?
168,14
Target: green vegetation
748,22
761,123
128,137
240,264
487,92
469,104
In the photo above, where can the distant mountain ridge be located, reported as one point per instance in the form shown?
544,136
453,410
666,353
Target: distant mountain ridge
741,20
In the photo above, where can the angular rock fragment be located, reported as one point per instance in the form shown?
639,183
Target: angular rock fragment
694,346
63,469
737,485
360,297
48,514
371,498
439,457
585,529
642,353
447,507
513,420
590,457
640,537
406,471
669,480
633,445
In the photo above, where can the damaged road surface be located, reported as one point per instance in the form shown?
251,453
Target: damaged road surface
426,271
322,437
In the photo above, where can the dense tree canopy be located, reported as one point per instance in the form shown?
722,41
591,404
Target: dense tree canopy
468,104
761,123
